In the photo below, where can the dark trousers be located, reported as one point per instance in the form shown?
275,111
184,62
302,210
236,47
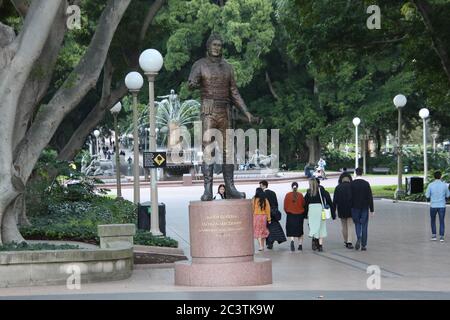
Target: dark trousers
433,213
361,220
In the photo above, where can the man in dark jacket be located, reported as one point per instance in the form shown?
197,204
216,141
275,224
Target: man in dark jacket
362,202
342,199
275,229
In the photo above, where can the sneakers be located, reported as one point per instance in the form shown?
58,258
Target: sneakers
300,247
292,246
433,238
349,245
441,239
363,249
358,244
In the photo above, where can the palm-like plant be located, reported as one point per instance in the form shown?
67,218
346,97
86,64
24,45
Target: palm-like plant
171,115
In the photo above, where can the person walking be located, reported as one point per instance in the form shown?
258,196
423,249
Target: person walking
437,193
316,199
221,194
294,206
342,200
362,202
276,232
261,217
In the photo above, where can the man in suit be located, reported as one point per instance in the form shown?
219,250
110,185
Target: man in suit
277,233
362,202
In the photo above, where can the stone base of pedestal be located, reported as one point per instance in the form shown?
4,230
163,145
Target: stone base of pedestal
250,273
222,247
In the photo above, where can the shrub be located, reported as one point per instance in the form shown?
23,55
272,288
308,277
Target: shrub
147,239
78,221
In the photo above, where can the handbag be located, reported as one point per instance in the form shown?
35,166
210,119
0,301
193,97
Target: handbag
275,214
326,211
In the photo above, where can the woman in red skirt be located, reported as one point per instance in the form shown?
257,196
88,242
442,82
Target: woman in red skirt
261,216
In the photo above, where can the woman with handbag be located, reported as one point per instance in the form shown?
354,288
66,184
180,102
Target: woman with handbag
294,206
319,208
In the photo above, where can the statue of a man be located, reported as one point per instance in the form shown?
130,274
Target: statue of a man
215,78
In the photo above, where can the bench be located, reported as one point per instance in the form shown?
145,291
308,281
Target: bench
381,170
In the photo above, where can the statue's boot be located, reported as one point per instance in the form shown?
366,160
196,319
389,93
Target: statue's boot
228,177
208,171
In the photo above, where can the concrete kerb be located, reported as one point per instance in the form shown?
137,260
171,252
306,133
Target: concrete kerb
114,261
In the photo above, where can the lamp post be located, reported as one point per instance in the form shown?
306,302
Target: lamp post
424,113
399,102
151,61
96,134
115,111
356,122
134,83
434,136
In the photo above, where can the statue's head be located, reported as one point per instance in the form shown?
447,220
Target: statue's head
214,45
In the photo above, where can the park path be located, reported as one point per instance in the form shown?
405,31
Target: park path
411,266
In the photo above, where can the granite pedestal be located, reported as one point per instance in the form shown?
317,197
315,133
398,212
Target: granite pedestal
222,247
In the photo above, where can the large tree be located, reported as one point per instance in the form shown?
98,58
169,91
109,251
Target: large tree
27,62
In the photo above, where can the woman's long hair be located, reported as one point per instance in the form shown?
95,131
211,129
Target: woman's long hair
313,187
294,187
224,196
261,196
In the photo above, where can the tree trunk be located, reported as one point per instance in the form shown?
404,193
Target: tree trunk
313,144
18,62
424,9
10,231
379,142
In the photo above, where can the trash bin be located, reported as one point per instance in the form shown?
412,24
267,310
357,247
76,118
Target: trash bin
414,185
144,210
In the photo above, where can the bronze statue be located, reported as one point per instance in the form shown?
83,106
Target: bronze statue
215,78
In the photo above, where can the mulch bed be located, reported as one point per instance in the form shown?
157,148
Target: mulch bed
156,258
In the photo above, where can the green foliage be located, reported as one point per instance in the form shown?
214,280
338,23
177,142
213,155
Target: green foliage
23,246
78,220
145,238
245,25
55,181
412,157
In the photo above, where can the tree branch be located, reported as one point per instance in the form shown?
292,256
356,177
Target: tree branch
269,83
149,18
21,7
424,8
76,141
80,81
40,78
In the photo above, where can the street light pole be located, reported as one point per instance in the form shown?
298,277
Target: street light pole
399,102
115,111
424,113
97,134
434,136
151,62
134,82
356,122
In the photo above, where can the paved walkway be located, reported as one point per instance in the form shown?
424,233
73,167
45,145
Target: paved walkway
411,266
